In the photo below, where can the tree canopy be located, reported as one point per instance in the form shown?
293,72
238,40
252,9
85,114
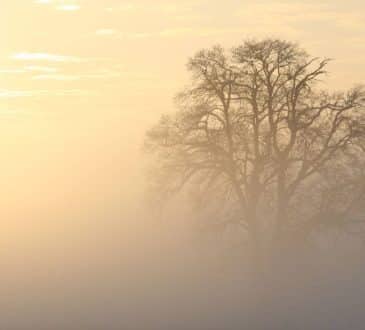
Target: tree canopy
262,142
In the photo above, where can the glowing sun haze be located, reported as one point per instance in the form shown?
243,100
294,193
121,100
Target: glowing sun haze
81,81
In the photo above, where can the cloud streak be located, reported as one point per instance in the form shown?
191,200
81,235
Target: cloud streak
12,71
103,74
45,69
25,56
11,94
60,5
168,33
106,32
68,7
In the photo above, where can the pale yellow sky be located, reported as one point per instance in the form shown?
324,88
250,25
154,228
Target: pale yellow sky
81,81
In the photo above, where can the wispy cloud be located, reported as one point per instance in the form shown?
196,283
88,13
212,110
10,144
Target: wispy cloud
122,7
103,74
68,7
60,5
44,57
28,69
12,71
46,69
170,33
57,77
166,6
106,32
9,94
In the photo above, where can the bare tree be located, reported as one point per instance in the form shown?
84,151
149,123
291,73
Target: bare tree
255,133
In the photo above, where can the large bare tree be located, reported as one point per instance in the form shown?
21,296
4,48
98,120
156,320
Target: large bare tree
256,135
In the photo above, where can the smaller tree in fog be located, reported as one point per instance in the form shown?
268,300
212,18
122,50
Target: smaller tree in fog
259,140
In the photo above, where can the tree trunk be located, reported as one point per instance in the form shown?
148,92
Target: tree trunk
280,238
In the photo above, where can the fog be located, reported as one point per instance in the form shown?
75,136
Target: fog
83,243
122,264
116,273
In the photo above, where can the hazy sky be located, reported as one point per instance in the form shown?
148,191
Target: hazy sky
81,81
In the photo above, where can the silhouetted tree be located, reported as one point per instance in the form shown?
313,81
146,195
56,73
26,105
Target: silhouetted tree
257,137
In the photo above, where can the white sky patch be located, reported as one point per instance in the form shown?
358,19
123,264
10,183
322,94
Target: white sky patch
104,74
43,2
60,5
106,32
12,71
44,57
57,77
10,94
180,33
154,6
28,69
44,69
122,7
68,7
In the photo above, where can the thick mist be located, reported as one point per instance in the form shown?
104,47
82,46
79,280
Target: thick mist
133,269
84,247
85,244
